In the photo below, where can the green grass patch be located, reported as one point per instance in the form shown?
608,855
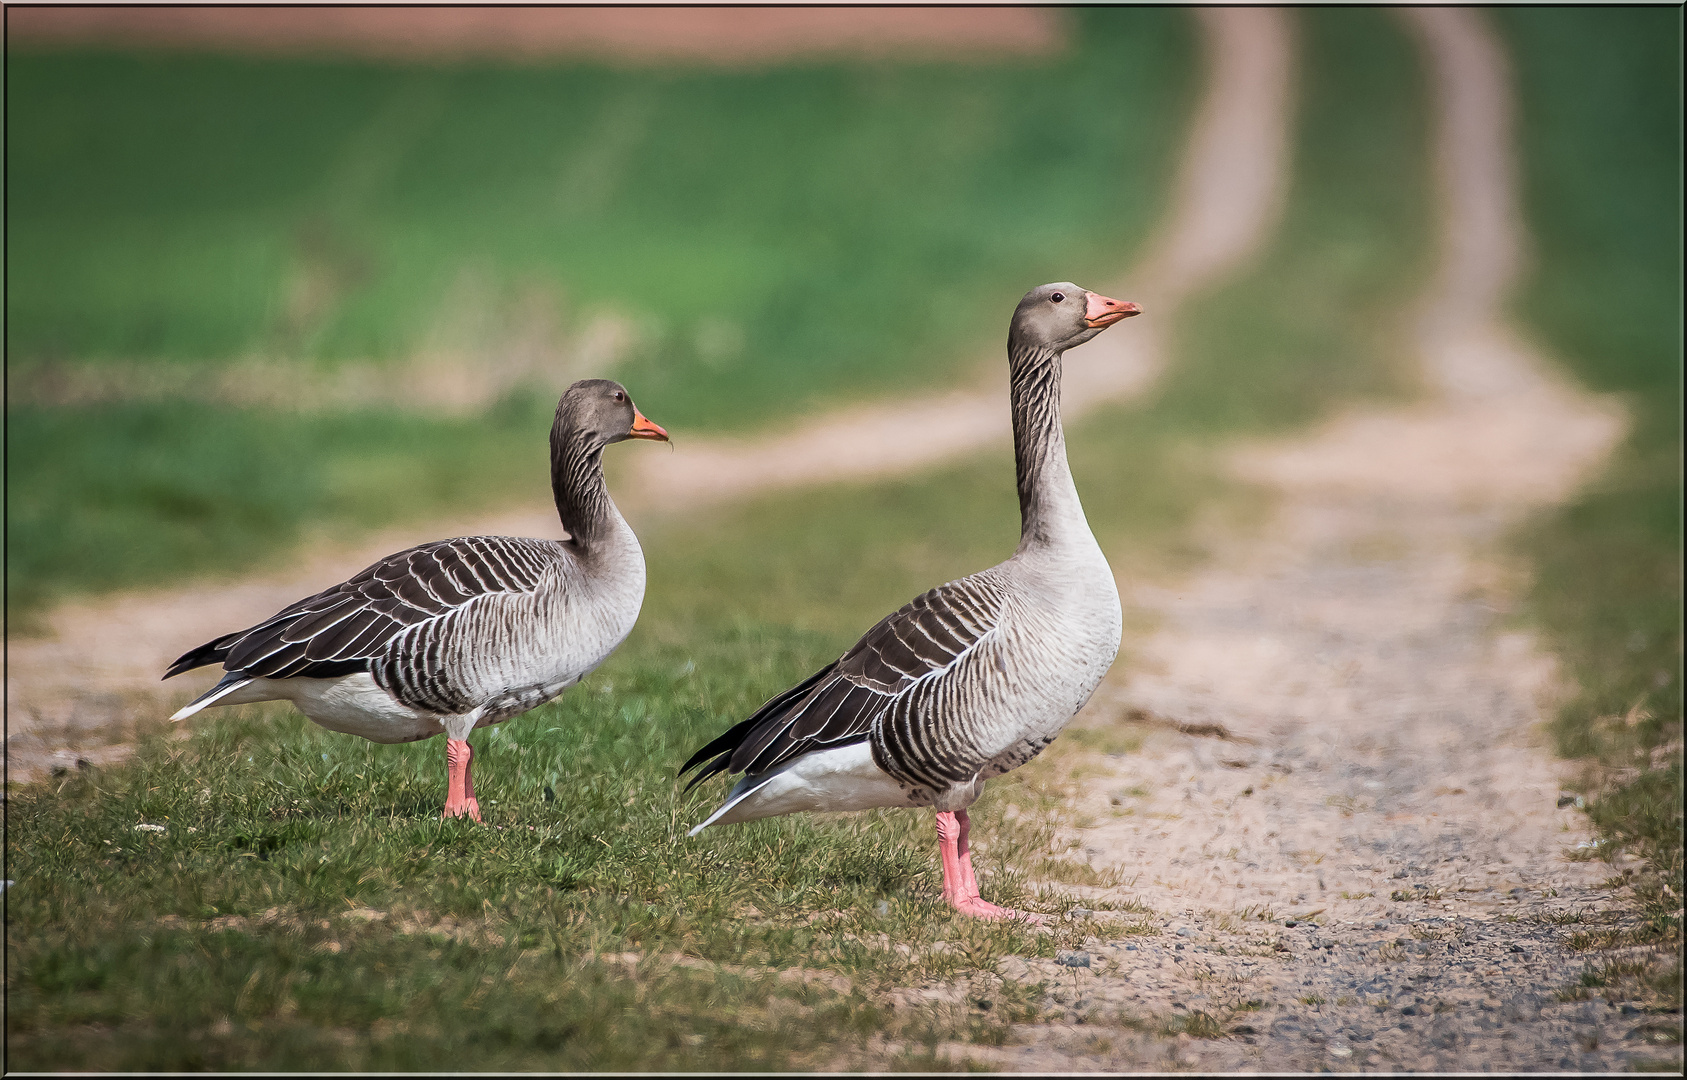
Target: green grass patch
783,237
305,908
135,493
1601,129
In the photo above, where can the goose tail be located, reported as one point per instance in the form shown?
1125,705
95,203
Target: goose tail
742,790
233,681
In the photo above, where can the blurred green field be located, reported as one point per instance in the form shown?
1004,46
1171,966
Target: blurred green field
780,240
840,229
236,944
1601,127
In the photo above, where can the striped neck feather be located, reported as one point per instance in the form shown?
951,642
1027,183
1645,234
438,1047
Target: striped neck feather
1048,500
582,497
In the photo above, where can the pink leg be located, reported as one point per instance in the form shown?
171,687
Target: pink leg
459,786
960,884
948,834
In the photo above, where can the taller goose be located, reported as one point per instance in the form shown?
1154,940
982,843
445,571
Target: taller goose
971,679
461,633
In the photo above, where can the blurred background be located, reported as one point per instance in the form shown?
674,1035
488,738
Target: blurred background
277,266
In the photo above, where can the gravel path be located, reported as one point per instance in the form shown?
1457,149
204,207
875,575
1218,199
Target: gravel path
69,690
1363,863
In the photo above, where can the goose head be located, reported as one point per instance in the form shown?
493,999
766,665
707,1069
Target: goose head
597,412
1061,315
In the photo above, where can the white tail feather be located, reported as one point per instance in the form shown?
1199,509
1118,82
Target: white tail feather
736,798
211,697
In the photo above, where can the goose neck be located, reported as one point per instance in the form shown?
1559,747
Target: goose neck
582,498
1049,509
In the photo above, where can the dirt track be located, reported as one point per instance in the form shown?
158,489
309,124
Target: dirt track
1384,797
69,689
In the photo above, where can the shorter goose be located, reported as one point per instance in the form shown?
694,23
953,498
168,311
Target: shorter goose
462,633
974,677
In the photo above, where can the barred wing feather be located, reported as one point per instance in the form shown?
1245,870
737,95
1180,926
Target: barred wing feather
341,629
838,705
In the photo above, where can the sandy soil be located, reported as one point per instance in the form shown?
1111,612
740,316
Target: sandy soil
627,34
99,660
1383,796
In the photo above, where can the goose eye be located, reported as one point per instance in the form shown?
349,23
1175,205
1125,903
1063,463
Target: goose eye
1058,297
620,396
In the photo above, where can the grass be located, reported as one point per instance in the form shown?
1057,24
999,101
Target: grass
1601,127
780,240
137,492
304,908
783,237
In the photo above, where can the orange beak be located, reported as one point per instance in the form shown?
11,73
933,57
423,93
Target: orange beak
644,428
1104,311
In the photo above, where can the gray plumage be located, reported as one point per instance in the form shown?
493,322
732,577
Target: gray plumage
975,677
465,632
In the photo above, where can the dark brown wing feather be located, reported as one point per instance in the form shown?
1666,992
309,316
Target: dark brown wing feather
338,630
838,704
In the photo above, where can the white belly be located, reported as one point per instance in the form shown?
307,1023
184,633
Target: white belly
841,779
353,704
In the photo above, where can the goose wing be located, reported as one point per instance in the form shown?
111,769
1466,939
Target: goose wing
341,629
838,704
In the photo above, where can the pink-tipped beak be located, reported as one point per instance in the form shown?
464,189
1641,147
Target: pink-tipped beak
1105,311
645,428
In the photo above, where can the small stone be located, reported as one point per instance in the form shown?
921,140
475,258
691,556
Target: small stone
149,828
1079,913
1131,948
1517,948
1072,959
881,908
1184,931
1291,922
1398,874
